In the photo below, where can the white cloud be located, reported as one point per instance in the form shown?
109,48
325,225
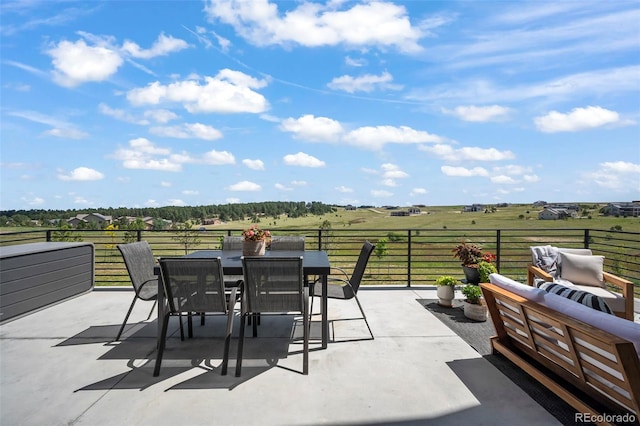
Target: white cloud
377,193
299,183
376,137
303,160
161,115
120,114
143,154
353,62
80,174
218,158
380,24
33,200
309,127
601,82
176,202
59,128
503,179
344,189
187,131
77,63
418,191
228,92
190,192
161,47
245,186
578,119
479,113
282,187
67,133
364,83
447,152
463,171
621,176
253,164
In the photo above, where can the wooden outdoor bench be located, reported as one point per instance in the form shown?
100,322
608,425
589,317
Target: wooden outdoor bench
565,354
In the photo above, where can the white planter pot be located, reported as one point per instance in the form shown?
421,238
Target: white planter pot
445,295
475,312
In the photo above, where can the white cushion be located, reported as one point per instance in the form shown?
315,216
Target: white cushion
620,327
522,290
582,270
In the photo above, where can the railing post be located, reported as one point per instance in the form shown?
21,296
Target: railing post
409,258
49,232
320,239
586,238
139,232
498,244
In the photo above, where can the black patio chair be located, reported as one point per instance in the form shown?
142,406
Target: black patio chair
286,242
273,285
140,263
195,285
341,286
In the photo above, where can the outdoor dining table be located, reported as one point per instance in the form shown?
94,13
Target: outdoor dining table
314,262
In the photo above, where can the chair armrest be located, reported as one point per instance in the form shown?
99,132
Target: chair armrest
535,272
333,271
626,288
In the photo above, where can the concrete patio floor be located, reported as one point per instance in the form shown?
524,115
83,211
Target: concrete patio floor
59,366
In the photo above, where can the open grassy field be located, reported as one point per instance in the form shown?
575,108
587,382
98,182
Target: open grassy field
442,217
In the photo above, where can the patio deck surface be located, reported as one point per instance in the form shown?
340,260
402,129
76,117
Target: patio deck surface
59,366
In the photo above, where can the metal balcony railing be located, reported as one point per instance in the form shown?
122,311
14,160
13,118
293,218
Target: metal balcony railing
413,257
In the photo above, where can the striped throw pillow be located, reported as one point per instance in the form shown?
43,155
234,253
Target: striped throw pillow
584,297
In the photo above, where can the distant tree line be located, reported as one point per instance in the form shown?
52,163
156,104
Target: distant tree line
176,214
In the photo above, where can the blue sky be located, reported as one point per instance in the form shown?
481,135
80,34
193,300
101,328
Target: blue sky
157,103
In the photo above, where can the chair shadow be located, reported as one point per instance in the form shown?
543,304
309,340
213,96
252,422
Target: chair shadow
278,338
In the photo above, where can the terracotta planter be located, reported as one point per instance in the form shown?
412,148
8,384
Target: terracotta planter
471,274
445,294
253,248
476,312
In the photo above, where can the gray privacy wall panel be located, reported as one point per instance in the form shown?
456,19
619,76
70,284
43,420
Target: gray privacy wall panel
33,276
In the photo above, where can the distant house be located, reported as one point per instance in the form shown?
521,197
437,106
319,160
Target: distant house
473,208
630,209
540,203
350,207
551,213
400,213
100,220
414,210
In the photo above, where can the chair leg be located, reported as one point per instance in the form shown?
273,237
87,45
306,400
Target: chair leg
305,322
155,302
227,342
364,316
163,338
181,329
255,325
240,345
126,318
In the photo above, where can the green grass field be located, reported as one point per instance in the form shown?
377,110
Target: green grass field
451,217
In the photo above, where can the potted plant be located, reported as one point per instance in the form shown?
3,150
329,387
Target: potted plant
471,257
446,290
254,241
474,307
486,267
